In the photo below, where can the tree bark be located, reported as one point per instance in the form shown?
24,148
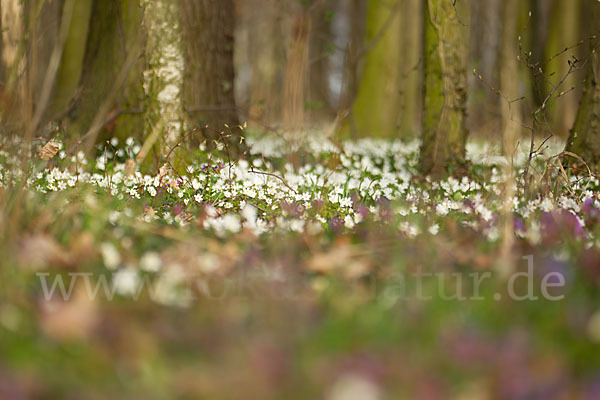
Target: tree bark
511,111
208,83
71,67
444,129
267,56
320,49
12,109
354,10
111,99
486,32
2,83
377,106
411,63
564,32
294,80
584,137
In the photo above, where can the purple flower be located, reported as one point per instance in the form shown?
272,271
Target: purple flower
518,224
572,223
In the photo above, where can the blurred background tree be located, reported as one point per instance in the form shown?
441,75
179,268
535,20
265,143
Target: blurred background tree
208,79
445,90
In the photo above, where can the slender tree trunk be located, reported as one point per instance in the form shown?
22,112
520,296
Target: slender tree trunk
12,108
321,46
295,74
539,25
354,10
411,63
377,105
564,32
511,111
266,54
511,115
446,54
208,84
486,31
71,67
2,83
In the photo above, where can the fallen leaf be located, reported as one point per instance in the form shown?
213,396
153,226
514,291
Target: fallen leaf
49,150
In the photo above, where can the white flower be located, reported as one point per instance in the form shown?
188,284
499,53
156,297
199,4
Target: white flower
231,223
547,205
441,208
126,281
198,198
345,202
349,222
110,255
249,213
434,229
150,262
297,225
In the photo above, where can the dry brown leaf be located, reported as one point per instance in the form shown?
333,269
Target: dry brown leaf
48,151
163,171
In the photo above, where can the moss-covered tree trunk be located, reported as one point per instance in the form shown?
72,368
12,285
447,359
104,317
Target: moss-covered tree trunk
71,66
208,84
584,137
110,96
444,130
377,104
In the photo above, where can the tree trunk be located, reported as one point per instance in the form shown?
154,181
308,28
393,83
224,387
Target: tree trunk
267,56
71,67
112,94
2,83
537,36
584,138
208,83
511,111
563,33
354,10
320,49
486,31
295,74
377,105
444,129
411,78
12,107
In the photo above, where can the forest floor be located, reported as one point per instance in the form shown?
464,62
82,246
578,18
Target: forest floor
310,270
